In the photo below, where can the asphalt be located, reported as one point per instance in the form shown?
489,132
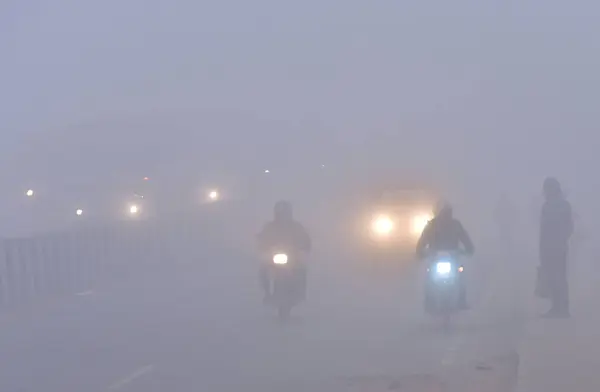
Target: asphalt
200,326
562,354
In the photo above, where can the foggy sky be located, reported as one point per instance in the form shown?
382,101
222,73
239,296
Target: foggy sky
485,92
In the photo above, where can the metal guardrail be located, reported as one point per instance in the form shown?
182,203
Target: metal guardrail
69,262
46,266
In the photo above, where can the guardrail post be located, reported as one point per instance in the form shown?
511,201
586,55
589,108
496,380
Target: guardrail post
45,273
35,262
52,264
76,260
3,276
69,261
23,267
12,276
62,262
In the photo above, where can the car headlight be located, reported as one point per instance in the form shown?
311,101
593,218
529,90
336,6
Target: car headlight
280,258
213,195
382,225
419,222
443,267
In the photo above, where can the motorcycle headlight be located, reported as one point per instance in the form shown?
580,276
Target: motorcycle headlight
280,258
443,267
382,225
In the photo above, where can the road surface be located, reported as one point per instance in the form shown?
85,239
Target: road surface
562,354
201,327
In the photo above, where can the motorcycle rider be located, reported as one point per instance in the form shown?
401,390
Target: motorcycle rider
445,233
284,232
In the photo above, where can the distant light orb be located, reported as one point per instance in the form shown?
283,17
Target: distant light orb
133,209
267,171
79,212
213,195
29,193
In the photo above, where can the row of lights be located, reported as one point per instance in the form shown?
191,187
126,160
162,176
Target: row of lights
134,209
213,195
31,193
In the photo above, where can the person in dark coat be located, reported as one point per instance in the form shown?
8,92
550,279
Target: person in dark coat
556,227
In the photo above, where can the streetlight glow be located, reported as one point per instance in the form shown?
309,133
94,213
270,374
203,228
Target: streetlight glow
213,195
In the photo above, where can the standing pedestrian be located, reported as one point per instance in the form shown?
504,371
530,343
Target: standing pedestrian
556,227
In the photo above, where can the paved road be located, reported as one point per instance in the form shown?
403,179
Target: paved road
562,354
202,328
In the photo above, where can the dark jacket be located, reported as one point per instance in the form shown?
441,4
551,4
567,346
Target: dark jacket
556,227
444,234
284,234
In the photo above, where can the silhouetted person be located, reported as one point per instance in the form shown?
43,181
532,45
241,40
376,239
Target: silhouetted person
445,233
283,232
556,227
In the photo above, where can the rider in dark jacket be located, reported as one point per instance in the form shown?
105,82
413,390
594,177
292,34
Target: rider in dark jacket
286,233
445,233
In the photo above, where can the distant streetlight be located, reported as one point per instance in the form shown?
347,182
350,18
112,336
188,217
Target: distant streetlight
133,209
213,195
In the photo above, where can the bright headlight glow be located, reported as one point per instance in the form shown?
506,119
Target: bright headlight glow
280,258
383,225
213,195
133,209
443,267
29,192
419,222
79,212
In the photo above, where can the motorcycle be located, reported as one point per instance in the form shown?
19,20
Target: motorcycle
444,276
287,284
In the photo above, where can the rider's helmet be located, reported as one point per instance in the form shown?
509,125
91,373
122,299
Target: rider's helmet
283,211
552,188
443,210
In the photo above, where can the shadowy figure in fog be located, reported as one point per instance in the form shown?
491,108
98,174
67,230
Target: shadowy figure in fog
556,227
445,233
505,216
283,233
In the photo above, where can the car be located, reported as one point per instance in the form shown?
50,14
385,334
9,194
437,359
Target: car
394,220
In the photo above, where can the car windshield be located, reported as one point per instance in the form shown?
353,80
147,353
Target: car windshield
404,197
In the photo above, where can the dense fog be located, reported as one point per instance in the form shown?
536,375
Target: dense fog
332,106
